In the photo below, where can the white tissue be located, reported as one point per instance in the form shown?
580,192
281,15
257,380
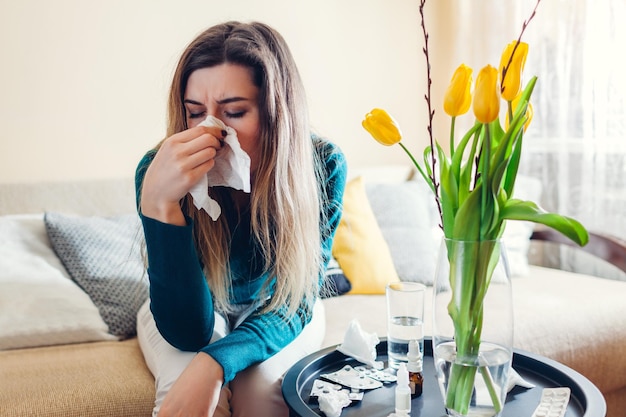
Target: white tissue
360,345
231,169
332,402
516,379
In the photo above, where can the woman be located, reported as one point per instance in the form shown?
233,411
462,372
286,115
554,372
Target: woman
233,301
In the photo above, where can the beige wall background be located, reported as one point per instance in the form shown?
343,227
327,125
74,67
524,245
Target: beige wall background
83,83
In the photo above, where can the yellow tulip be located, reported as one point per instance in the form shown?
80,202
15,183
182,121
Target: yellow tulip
529,112
458,98
529,116
486,99
382,127
512,81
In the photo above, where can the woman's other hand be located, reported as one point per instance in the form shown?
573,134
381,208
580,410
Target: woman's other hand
179,164
196,392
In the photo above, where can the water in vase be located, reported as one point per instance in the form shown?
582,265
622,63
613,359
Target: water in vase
492,369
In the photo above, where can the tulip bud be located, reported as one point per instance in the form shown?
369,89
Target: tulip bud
512,80
457,99
529,115
382,127
529,112
486,99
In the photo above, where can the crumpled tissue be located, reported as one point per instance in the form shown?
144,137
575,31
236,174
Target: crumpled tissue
360,345
332,402
516,379
231,169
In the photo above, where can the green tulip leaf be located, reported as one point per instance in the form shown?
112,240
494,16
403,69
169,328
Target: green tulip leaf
528,211
467,219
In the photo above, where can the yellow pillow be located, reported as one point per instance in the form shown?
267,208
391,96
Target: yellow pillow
359,246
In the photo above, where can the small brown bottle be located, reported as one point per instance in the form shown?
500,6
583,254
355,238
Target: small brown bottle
414,366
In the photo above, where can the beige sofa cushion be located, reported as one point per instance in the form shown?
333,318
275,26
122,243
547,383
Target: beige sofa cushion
96,379
107,197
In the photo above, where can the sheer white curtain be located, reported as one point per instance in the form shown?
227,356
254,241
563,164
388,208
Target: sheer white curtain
576,143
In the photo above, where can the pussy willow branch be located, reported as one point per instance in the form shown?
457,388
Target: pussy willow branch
519,39
431,114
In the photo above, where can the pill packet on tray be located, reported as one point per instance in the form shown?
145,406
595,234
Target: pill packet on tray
356,379
321,388
349,383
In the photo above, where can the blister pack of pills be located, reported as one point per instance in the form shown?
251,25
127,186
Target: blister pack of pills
553,402
321,388
351,378
377,374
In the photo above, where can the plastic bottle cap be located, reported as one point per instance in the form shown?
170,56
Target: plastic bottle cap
415,357
403,375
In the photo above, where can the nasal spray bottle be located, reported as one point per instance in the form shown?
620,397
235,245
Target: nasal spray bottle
414,366
403,392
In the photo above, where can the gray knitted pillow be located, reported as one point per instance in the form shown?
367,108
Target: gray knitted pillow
103,256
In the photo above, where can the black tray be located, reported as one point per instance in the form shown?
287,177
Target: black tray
585,400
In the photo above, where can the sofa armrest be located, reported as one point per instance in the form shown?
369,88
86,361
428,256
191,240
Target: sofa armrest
607,247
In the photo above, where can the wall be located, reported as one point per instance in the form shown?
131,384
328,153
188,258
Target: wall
83,83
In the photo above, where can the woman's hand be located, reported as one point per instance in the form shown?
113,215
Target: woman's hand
197,391
180,162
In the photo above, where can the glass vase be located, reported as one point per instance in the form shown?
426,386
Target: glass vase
472,327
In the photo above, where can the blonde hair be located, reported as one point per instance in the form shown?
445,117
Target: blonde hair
285,200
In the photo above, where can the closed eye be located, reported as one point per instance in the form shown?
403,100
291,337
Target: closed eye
194,109
196,115
235,115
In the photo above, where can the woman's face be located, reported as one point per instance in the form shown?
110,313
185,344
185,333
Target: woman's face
226,91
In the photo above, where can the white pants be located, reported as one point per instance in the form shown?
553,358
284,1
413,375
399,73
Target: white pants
254,392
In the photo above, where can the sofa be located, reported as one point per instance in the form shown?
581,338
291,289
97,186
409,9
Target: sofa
71,280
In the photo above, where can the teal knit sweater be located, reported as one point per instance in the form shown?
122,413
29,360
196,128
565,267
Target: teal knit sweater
181,299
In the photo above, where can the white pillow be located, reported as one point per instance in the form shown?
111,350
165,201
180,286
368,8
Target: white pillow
39,304
402,212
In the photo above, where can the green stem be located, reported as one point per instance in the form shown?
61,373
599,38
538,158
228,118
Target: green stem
452,124
471,267
491,387
485,180
428,180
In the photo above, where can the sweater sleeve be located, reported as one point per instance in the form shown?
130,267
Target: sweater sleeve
262,335
180,300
